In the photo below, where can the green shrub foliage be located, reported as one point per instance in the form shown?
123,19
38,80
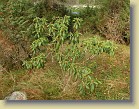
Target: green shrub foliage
52,39
16,22
66,54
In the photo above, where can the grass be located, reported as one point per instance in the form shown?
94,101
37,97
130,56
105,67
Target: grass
51,83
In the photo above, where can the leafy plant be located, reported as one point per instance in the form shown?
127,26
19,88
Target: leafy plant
67,57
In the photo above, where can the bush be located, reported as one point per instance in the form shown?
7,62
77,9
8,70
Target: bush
17,17
67,57
115,22
40,39
16,24
111,20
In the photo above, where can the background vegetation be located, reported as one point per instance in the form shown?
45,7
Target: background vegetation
52,50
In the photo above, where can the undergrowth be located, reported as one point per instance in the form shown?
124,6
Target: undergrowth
51,83
61,63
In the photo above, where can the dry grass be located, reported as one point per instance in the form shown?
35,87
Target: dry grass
114,72
51,83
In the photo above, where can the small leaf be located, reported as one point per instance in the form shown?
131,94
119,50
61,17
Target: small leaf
92,87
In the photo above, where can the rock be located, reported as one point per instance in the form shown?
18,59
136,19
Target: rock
17,95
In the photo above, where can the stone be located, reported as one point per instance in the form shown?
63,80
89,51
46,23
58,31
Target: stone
17,95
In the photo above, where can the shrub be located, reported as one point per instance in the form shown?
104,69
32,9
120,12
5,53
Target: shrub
111,20
42,39
16,19
115,22
16,24
67,57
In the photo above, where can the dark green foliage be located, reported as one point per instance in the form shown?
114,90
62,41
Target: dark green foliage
16,22
110,19
66,57
48,33
17,19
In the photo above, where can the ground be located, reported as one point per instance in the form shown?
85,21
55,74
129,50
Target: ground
52,83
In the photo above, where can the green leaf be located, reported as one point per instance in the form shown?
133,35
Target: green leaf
92,87
87,87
